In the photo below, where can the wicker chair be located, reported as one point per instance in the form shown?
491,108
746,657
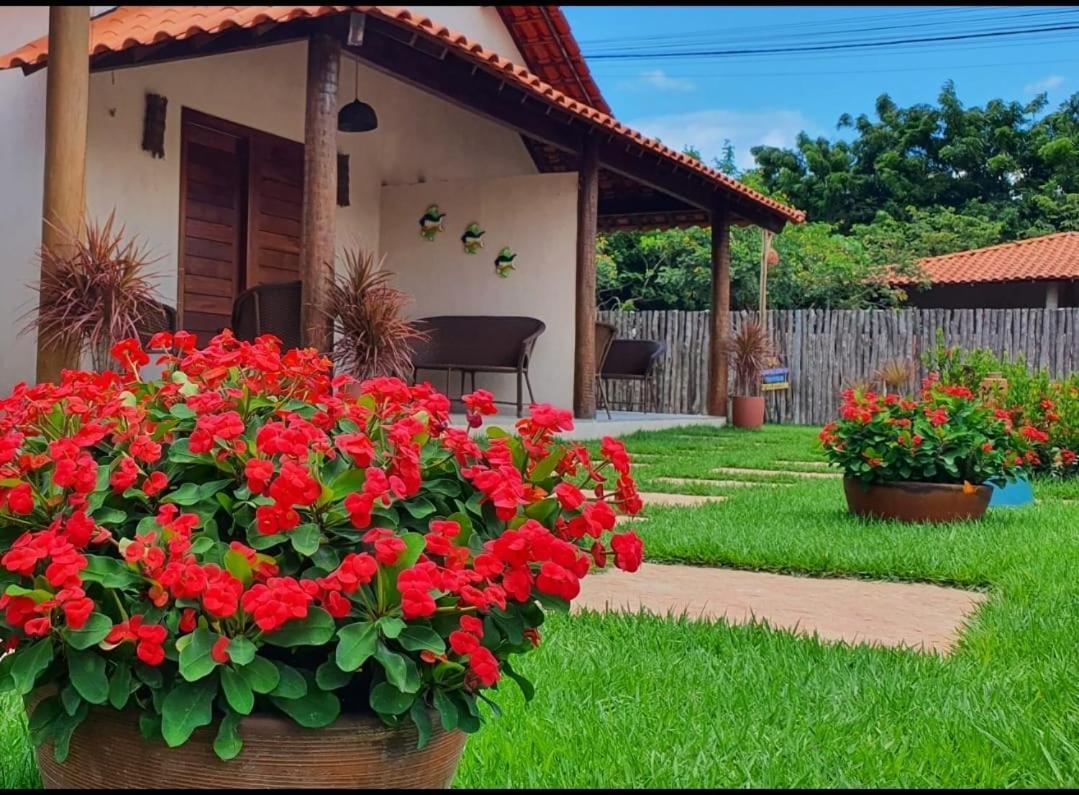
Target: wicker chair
269,309
635,360
605,334
162,319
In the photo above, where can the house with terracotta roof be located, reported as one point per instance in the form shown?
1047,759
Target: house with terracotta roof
214,133
1037,272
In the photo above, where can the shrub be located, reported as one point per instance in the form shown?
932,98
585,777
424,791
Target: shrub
247,534
947,435
750,349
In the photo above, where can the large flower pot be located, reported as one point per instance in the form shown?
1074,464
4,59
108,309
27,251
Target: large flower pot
747,412
107,751
909,501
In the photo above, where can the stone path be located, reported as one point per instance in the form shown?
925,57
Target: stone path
926,617
658,498
717,483
813,464
774,472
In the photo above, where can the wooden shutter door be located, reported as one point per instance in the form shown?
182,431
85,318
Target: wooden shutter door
275,210
213,188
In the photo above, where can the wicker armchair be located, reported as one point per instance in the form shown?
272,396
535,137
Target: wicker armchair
605,334
635,360
269,309
163,318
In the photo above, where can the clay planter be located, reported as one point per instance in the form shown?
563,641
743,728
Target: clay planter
107,751
909,501
747,412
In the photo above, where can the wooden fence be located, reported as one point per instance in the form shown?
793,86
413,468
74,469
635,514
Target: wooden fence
828,349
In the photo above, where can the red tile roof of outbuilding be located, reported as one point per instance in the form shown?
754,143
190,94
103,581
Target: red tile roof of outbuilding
1050,257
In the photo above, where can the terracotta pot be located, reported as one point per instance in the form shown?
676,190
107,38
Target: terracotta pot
107,751
747,412
909,501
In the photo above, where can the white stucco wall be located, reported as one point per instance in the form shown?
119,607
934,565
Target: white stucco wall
420,138
536,217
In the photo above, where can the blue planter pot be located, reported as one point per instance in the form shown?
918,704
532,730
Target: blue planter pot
1012,495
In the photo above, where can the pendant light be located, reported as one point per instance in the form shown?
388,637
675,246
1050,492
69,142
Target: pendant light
357,116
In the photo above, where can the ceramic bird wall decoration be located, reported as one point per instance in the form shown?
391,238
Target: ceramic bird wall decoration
504,262
431,222
472,239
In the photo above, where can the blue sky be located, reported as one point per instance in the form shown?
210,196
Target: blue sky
769,98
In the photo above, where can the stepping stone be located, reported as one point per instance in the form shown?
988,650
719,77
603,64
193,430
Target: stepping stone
774,472
814,464
912,615
659,498
623,518
717,483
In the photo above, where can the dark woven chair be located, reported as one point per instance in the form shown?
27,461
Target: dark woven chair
161,318
605,334
473,344
269,309
635,360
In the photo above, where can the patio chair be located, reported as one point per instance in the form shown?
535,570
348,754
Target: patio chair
269,309
635,360
605,334
162,318
473,344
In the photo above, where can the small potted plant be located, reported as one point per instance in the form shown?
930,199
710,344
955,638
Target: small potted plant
243,574
750,349
928,458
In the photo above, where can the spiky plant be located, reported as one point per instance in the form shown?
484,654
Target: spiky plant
895,375
94,291
750,350
374,338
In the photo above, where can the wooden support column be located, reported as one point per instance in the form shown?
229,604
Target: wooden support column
319,189
584,353
720,315
67,89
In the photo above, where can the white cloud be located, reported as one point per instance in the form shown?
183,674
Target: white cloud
706,130
1047,83
659,80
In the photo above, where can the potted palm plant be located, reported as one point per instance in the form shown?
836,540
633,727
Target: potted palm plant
242,574
749,350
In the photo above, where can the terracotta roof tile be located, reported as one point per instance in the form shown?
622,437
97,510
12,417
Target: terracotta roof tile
132,26
1049,257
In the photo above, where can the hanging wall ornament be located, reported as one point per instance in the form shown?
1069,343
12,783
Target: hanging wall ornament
504,262
473,238
431,222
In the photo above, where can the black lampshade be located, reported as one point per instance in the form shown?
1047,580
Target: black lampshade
357,116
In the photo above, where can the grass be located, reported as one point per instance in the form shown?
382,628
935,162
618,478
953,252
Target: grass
639,701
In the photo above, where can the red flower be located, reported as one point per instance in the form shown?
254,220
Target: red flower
472,625
220,650
258,472
155,483
463,642
628,551
188,620
125,474
484,665
20,499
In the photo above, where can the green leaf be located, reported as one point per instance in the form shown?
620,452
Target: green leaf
210,488
120,686
356,644
28,663
91,633
447,710
291,684
545,467
109,572
109,516
347,482
70,700
195,659
237,691
401,671
228,743
419,507
391,627
259,542
181,411
527,689
419,638
329,677
188,706
261,674
387,575
150,726
314,630
187,494
43,718
236,564
388,700
418,713
305,539
86,670
241,650
63,727
315,709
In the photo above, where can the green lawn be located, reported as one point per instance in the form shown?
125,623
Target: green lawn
639,701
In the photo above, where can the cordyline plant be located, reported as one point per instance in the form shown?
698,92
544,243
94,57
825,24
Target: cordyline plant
750,349
945,435
247,534
374,338
95,290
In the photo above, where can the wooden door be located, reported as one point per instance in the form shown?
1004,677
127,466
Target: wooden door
241,205
213,188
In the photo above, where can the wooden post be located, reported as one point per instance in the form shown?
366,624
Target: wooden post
584,353
720,315
766,248
319,188
67,90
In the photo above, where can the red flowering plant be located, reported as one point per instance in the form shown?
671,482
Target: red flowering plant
247,533
945,435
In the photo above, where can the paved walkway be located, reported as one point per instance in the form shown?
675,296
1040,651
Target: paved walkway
926,617
659,498
718,483
774,472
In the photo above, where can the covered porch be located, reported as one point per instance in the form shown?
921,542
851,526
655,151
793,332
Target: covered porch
541,168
